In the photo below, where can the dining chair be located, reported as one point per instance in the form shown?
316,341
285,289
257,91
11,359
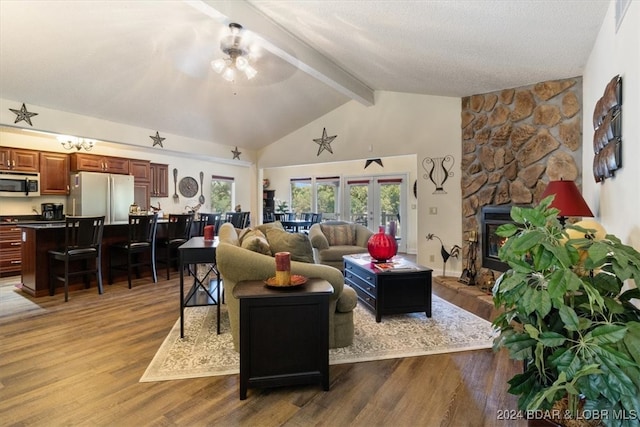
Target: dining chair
214,219
141,241
82,242
178,232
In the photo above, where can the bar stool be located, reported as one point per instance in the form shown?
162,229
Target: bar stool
82,242
142,239
178,232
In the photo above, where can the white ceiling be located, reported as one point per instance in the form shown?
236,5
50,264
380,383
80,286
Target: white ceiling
146,63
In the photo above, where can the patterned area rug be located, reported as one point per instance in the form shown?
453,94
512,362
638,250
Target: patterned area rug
203,353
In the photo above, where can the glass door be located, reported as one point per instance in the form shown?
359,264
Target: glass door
378,201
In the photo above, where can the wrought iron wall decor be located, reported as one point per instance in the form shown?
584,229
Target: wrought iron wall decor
454,252
23,115
324,142
438,171
607,135
157,139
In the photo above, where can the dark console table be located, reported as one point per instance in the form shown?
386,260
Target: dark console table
284,334
406,289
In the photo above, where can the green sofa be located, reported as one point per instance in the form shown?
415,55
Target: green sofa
237,263
331,240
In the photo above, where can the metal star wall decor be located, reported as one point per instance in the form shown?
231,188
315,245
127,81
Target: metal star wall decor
324,142
157,140
236,153
369,161
23,115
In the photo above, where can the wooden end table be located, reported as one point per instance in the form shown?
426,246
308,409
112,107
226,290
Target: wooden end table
284,334
405,290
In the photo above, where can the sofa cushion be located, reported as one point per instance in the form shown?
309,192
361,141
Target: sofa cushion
255,241
339,235
298,244
268,225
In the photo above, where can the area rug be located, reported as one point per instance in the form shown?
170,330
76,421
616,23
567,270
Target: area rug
203,353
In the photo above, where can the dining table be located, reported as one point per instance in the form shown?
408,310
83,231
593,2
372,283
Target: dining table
295,225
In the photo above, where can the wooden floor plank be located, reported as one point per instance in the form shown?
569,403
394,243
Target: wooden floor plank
79,363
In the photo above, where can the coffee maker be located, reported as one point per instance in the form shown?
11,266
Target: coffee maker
52,211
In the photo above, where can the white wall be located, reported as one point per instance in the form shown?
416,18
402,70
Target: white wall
279,180
188,164
398,124
616,202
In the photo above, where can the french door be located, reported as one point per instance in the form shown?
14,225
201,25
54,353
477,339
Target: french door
378,201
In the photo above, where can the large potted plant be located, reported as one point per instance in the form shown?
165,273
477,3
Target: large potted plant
567,314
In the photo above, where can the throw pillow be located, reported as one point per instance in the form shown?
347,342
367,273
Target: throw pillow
268,225
256,241
298,244
339,235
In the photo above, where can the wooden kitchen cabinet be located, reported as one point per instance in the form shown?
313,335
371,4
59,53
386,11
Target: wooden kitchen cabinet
54,174
159,180
15,159
81,162
10,250
141,171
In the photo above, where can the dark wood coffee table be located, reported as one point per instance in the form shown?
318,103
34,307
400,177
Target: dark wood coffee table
284,334
403,290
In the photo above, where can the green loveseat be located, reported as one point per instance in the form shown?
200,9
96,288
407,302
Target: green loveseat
236,263
331,240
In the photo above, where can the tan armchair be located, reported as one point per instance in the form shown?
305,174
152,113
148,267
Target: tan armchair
236,263
333,239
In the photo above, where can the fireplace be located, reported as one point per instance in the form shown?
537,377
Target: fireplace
491,218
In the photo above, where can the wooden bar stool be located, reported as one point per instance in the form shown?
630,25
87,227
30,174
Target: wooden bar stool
82,242
141,240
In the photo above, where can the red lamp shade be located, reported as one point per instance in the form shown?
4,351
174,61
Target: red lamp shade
568,199
382,246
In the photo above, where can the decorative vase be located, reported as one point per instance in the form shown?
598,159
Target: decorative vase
382,246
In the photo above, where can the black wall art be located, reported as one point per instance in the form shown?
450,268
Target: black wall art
438,170
23,115
157,139
607,135
324,142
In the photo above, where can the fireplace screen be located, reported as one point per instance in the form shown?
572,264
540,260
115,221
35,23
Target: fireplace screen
492,218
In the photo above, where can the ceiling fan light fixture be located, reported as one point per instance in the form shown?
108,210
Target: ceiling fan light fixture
229,74
218,65
238,56
250,72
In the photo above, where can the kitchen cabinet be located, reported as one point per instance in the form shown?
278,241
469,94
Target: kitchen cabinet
15,159
81,162
54,174
10,250
159,180
141,171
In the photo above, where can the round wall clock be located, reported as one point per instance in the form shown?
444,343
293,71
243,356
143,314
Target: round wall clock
188,186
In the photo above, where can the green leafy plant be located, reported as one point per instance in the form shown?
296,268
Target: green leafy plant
567,315
281,206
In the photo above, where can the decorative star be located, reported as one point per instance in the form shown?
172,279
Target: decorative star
236,153
369,161
157,140
324,142
23,114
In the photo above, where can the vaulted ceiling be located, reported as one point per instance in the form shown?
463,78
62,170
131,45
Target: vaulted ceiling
147,63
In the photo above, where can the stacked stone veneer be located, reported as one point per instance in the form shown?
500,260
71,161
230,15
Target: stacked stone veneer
514,142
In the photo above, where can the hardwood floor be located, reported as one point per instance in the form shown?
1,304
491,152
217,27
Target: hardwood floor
78,363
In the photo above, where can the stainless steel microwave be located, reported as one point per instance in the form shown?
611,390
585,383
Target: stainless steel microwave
19,184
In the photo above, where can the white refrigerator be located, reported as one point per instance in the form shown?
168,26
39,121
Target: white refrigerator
94,193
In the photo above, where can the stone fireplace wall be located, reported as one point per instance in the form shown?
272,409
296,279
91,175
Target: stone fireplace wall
514,142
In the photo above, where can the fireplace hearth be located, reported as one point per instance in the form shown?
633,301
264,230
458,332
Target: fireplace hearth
491,218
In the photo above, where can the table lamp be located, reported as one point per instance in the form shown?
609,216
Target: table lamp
568,200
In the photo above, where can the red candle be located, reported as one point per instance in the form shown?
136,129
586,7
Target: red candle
283,268
208,232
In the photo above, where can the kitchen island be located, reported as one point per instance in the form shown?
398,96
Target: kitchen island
39,238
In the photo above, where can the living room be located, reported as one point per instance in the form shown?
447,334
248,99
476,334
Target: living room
399,124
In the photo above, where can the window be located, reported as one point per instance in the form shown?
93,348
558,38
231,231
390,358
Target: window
301,195
221,193
327,196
